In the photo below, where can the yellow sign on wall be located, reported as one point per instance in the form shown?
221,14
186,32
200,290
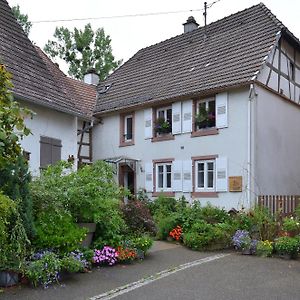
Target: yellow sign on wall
235,184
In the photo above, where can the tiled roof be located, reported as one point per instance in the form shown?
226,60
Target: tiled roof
32,78
81,94
191,64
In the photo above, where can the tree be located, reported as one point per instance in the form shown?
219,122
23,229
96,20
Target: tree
83,50
12,126
22,19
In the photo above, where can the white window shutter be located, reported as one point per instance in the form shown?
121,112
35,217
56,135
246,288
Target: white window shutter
176,118
221,174
222,110
149,177
148,123
187,185
177,176
187,116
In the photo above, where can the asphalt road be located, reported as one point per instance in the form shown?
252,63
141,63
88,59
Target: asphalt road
231,276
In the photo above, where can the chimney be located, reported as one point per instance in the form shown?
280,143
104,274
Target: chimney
91,77
190,24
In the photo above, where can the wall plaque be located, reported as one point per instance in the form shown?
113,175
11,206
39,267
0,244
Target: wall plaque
235,184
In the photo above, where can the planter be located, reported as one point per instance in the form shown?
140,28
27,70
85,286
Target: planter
8,278
89,236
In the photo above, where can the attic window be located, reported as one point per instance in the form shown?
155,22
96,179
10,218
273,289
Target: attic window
105,88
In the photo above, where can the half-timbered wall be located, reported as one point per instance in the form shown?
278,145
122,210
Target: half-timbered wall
281,71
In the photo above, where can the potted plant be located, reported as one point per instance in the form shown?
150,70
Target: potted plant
291,226
264,248
242,241
162,126
204,119
287,247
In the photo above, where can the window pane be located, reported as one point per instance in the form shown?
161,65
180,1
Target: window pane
169,115
200,182
210,166
169,175
129,128
160,176
211,113
161,114
210,179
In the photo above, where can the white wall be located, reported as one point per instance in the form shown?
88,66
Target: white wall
277,158
230,142
50,123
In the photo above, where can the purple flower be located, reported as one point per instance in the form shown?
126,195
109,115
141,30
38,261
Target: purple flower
107,255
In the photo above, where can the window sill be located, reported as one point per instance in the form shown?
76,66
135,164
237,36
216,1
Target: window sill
205,195
125,144
204,132
166,194
167,137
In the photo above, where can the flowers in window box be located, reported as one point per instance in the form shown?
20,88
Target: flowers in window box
176,233
162,126
204,118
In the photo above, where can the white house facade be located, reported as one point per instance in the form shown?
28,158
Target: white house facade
208,115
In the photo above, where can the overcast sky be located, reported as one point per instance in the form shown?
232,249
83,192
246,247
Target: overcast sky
133,33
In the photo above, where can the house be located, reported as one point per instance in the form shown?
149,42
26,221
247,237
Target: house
212,114
61,105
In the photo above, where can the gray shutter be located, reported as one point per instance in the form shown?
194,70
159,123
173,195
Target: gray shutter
149,177
56,151
45,151
148,123
221,174
222,110
187,112
177,176
176,118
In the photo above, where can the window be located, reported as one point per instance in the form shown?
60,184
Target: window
164,177
50,151
128,134
205,114
127,129
205,175
163,123
292,71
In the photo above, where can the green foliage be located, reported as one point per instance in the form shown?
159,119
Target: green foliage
166,224
58,231
138,217
13,239
14,182
287,245
163,206
83,50
291,224
70,264
12,126
22,19
45,270
264,248
143,243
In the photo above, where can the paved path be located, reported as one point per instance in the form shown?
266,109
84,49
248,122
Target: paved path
174,272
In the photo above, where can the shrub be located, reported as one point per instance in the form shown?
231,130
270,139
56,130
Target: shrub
195,240
213,215
166,224
264,248
287,245
14,243
74,262
44,269
138,217
163,206
291,224
126,254
58,231
143,243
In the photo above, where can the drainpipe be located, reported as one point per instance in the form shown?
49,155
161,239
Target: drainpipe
252,95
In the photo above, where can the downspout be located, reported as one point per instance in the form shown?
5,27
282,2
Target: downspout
249,143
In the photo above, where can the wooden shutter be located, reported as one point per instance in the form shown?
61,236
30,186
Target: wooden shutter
45,151
221,174
187,113
177,176
50,151
176,118
149,177
148,123
187,176
222,110
56,151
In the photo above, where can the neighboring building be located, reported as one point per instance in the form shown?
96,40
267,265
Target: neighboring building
212,114
58,102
